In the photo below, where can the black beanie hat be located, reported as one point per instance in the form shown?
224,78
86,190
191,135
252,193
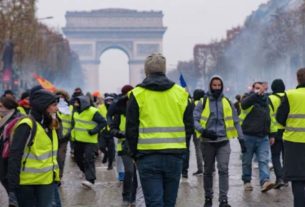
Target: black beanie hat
41,99
8,103
278,86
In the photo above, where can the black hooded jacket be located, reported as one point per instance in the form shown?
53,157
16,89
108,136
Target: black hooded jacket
155,82
39,100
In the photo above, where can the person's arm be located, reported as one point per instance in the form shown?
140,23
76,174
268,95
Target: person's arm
132,124
115,127
249,101
17,147
101,123
188,120
283,111
197,116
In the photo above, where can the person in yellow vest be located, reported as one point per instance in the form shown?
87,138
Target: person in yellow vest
277,147
158,122
217,122
32,169
106,139
291,115
88,122
117,120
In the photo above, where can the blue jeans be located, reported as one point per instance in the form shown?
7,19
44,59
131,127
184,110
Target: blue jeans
160,176
35,195
260,147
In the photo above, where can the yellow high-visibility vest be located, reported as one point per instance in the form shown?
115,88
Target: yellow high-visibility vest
295,123
122,128
83,122
21,110
275,101
66,120
39,162
102,109
231,131
161,118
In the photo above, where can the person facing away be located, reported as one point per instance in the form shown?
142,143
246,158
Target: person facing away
158,121
216,122
291,115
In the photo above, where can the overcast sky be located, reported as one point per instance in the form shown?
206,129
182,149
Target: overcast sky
189,22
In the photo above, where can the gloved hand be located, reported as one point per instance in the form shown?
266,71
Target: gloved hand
117,133
242,145
90,132
12,200
209,134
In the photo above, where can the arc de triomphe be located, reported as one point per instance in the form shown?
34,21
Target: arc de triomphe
136,33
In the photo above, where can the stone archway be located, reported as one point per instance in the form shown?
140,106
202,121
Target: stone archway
138,34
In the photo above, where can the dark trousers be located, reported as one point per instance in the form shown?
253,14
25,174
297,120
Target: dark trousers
61,157
84,156
130,180
199,159
186,158
35,195
160,175
107,146
277,150
298,190
220,152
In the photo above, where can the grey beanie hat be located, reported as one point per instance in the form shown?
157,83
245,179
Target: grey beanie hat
155,63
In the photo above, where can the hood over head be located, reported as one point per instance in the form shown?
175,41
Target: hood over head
41,99
84,102
216,93
278,86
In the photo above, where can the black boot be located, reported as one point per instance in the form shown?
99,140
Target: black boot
224,203
208,202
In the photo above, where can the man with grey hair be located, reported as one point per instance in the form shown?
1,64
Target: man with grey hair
158,122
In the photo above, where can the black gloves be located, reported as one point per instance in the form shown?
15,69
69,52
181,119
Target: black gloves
90,132
242,145
117,133
209,134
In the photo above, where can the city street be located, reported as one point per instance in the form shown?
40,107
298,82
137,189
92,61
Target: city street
107,190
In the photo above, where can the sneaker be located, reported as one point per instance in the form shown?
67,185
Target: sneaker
121,176
248,187
224,203
267,186
87,184
208,202
278,184
184,175
110,167
199,172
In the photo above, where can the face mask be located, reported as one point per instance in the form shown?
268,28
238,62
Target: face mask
256,90
216,93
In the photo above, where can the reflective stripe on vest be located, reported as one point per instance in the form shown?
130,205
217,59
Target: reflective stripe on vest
83,123
161,118
295,123
122,126
231,131
276,101
39,162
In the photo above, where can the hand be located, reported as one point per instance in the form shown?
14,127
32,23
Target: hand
90,132
271,140
242,145
12,200
209,134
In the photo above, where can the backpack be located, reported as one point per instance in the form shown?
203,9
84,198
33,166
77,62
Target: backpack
8,135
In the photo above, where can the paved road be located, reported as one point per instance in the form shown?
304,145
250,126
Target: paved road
107,191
